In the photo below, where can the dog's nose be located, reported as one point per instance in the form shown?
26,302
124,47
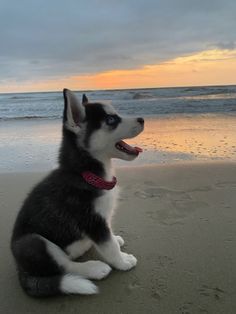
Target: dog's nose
140,120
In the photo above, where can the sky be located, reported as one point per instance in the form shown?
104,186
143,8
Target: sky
108,44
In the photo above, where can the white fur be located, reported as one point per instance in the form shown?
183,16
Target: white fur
78,248
105,204
73,284
102,142
120,240
75,112
57,253
91,269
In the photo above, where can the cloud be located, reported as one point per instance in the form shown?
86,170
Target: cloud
210,67
226,45
53,39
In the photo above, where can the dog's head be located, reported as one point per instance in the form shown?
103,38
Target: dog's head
99,129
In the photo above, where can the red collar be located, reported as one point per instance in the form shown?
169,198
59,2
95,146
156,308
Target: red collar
98,182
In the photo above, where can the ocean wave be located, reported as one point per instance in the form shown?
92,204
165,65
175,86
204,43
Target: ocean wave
19,97
142,96
36,98
211,90
30,118
141,102
210,96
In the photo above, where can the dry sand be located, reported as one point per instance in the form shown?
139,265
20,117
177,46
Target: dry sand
179,221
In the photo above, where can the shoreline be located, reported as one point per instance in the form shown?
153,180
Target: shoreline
34,144
142,167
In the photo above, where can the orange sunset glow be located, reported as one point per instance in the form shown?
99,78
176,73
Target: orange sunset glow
209,67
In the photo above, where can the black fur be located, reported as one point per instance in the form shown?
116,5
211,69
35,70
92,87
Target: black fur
84,99
40,286
60,209
95,116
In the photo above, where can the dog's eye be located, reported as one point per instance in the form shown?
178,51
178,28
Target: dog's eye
110,120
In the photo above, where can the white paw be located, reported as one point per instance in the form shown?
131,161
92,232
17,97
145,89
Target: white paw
97,270
73,284
120,240
127,262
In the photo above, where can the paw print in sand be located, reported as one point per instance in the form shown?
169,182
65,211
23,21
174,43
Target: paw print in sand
173,205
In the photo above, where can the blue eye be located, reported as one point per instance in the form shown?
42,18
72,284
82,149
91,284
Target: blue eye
110,120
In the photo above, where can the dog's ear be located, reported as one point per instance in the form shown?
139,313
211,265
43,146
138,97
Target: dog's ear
74,111
84,99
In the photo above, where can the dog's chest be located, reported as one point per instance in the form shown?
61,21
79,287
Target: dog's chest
105,204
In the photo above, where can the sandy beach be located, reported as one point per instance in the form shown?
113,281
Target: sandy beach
177,219
152,82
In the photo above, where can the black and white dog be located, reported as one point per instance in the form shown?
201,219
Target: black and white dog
71,209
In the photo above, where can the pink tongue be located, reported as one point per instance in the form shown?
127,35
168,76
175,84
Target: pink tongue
130,148
138,149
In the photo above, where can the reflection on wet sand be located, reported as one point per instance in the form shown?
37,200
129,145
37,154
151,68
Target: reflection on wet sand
203,137
33,145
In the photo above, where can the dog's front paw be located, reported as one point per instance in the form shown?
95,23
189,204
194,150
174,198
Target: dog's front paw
97,270
127,262
120,240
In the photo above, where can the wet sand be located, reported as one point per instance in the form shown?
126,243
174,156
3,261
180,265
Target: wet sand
31,145
199,138
178,220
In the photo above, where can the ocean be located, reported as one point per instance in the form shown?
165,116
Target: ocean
139,102
181,124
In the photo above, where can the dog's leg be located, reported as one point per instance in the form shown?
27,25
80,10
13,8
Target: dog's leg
109,248
110,251
107,244
120,240
78,248
91,269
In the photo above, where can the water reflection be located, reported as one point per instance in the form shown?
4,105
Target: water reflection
201,137
33,145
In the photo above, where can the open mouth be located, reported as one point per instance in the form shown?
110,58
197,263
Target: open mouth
126,148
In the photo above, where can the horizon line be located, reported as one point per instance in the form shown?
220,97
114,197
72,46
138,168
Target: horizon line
121,89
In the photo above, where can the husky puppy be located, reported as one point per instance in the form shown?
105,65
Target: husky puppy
70,210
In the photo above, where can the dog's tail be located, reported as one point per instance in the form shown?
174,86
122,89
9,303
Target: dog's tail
56,285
